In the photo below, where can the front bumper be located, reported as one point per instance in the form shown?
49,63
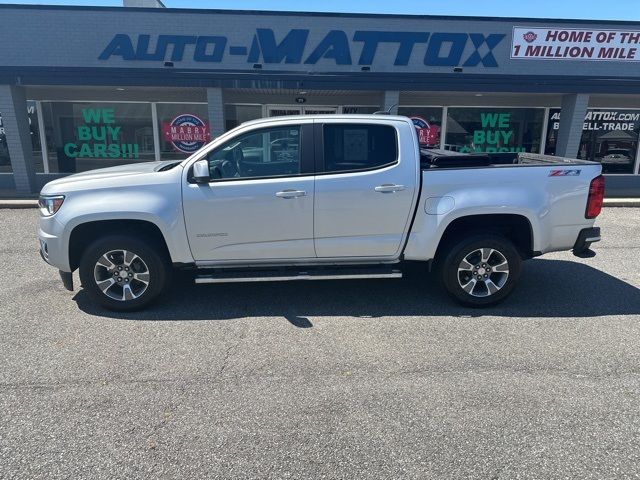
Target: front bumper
53,247
67,280
586,237
45,242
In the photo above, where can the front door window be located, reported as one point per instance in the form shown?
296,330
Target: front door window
270,152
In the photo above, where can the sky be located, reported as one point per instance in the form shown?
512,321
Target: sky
581,9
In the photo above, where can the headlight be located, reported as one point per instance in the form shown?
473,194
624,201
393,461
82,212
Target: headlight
50,204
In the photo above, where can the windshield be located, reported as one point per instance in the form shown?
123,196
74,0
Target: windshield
618,152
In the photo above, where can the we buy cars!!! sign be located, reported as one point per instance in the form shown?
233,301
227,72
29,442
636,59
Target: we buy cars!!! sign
568,44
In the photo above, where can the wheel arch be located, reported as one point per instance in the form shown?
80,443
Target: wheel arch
515,227
85,233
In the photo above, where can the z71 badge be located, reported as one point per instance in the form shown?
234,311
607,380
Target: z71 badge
564,173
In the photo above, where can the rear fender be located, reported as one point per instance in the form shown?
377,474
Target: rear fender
429,228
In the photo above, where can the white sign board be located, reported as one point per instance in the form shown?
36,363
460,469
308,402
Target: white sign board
534,43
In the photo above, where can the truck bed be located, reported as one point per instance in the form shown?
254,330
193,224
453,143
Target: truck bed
434,158
550,192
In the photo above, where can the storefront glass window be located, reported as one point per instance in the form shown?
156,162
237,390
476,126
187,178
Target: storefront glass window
608,136
87,135
234,115
32,111
494,129
184,129
5,161
428,123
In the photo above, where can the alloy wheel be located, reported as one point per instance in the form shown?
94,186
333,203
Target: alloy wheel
483,272
121,275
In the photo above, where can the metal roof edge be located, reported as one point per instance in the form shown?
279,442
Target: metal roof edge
205,11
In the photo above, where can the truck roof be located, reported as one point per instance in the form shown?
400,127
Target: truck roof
330,116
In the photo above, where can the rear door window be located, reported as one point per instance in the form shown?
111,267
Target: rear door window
353,147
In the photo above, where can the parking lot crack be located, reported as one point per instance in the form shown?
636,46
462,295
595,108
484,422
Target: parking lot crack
230,352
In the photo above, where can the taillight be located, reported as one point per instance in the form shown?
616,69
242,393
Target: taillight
596,197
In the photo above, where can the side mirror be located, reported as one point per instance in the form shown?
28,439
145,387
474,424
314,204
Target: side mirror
201,171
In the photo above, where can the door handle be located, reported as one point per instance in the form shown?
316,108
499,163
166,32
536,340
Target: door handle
291,193
389,188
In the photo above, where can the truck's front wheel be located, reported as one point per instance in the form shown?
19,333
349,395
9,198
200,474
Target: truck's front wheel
121,272
481,270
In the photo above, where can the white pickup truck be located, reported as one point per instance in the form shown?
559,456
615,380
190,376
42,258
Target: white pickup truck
317,197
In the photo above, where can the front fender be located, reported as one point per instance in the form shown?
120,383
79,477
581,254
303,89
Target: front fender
159,206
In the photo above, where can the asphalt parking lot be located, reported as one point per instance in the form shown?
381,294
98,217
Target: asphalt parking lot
346,379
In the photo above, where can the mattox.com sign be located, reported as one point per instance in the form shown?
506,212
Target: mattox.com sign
569,44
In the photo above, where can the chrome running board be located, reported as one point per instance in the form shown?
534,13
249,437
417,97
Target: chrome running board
294,275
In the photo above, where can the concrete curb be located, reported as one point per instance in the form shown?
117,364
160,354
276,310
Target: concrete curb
18,203
28,203
622,202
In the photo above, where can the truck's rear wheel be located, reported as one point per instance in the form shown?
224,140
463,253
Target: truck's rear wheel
121,272
481,270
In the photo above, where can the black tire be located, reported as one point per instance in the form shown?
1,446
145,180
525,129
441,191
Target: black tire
481,294
155,265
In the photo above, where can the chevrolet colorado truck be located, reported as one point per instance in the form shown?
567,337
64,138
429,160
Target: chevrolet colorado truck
317,197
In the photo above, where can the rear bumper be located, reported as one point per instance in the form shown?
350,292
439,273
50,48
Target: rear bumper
586,237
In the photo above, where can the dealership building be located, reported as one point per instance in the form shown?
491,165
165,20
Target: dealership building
90,87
